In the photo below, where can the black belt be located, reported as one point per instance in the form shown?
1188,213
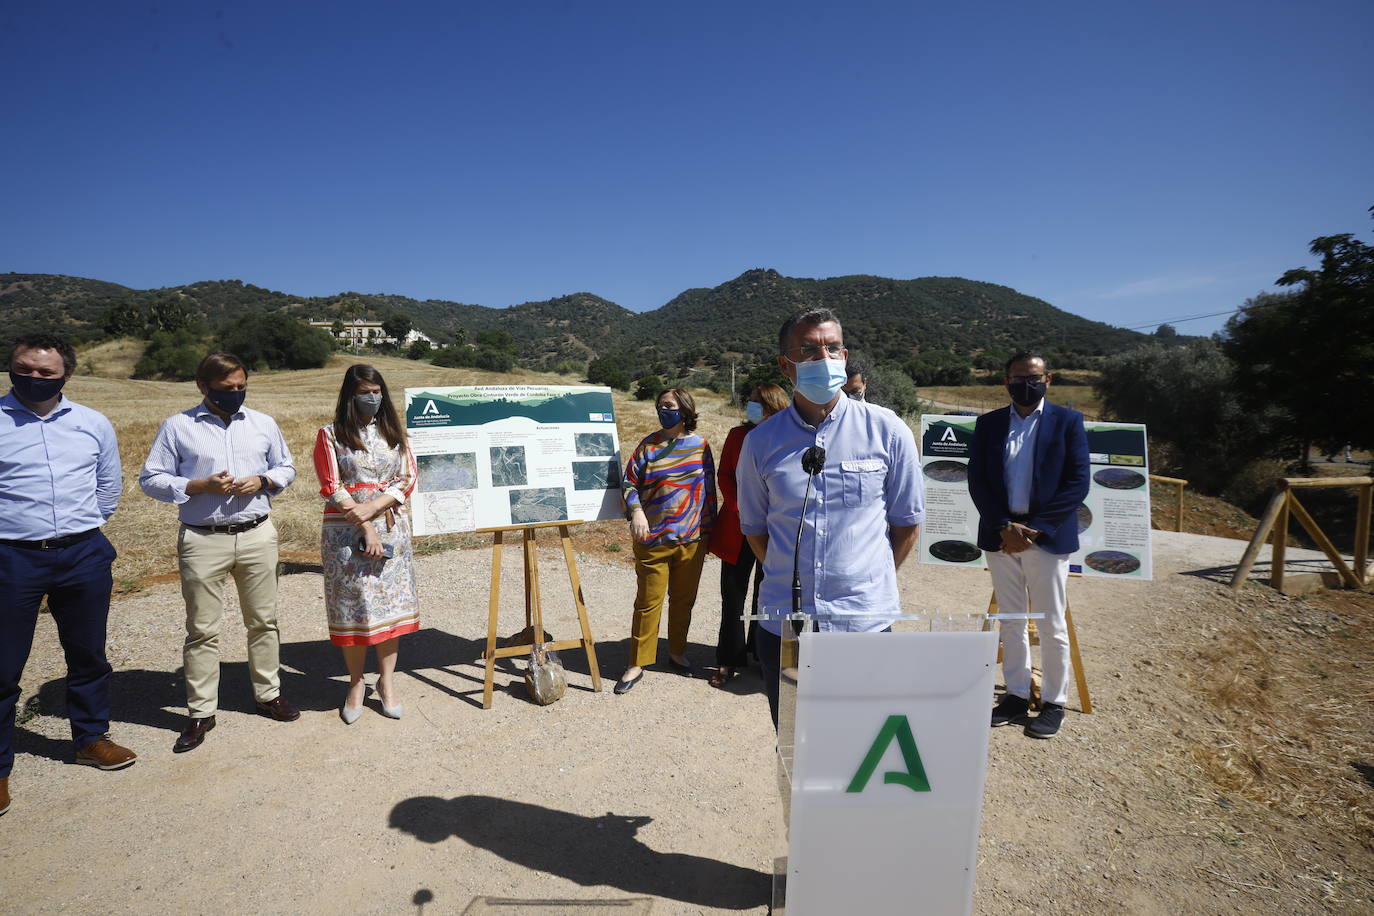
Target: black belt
65,540
236,528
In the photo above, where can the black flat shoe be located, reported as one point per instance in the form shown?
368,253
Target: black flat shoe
687,670
623,685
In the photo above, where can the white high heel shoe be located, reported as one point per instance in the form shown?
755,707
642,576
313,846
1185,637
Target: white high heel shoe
391,712
350,716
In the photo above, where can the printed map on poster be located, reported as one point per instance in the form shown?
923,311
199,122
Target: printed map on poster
1113,521
500,455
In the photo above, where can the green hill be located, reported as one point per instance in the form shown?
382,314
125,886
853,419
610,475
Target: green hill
890,320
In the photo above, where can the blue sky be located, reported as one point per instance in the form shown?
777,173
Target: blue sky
1132,163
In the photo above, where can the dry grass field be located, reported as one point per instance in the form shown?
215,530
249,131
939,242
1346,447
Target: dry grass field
144,530
989,397
112,358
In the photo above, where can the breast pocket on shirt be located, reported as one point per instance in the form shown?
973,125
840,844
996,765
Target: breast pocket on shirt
861,480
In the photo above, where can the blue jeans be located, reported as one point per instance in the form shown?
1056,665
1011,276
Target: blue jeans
77,581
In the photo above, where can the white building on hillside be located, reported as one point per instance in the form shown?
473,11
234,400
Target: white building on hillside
358,333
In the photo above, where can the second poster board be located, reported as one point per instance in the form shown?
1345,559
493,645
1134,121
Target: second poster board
1113,520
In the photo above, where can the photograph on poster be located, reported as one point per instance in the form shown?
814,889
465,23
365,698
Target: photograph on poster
594,445
596,475
500,455
448,472
1113,521
540,504
508,466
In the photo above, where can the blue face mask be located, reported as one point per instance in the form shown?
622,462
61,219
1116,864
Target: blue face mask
819,380
227,401
669,418
753,412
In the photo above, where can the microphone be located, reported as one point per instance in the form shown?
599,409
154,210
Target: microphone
812,462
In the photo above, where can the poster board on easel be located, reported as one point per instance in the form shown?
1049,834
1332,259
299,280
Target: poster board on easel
500,459
1113,520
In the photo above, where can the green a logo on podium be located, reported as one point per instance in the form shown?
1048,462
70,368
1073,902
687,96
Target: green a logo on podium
898,729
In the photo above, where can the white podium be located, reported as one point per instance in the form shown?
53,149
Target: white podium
882,755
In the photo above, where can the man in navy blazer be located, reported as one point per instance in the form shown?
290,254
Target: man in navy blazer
1028,473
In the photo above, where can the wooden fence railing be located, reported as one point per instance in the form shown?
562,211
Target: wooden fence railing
1178,514
1285,504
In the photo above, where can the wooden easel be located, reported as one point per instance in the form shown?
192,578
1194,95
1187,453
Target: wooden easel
1077,659
534,615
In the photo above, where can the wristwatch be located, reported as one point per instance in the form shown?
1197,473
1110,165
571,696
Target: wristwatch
1005,525
266,484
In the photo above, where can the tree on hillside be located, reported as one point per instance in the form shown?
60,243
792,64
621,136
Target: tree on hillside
1185,397
267,340
172,355
609,371
397,326
649,388
496,340
939,368
1309,354
766,372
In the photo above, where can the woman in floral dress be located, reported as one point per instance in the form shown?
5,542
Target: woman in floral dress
367,473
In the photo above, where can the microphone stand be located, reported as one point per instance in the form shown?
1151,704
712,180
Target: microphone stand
813,462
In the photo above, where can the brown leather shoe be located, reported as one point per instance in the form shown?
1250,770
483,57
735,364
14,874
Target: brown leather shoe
278,709
4,794
193,734
106,755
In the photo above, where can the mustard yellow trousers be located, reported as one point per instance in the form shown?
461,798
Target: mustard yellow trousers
676,570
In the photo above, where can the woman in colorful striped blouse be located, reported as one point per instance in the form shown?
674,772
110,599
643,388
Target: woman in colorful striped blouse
366,473
670,499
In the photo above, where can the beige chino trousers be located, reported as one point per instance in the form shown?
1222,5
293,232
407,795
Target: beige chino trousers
205,560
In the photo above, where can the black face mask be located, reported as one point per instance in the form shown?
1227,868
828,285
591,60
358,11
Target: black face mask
227,401
1027,394
35,390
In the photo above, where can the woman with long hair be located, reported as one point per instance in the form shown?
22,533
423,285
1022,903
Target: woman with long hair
670,500
737,561
367,473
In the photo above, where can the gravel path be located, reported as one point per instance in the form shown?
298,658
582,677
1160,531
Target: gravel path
667,793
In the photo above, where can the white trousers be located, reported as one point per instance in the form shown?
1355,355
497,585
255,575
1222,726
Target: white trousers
1033,581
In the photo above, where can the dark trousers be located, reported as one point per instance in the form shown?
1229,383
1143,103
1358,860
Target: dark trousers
769,647
77,581
732,647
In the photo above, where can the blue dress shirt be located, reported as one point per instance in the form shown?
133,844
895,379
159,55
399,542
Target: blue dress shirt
1018,457
872,479
59,474
196,443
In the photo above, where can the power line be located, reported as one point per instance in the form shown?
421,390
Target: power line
1242,308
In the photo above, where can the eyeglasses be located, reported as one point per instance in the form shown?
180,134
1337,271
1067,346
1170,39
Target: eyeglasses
1033,379
807,353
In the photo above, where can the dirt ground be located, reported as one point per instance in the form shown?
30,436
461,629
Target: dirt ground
1227,767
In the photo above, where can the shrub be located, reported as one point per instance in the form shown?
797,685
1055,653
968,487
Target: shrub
418,349
648,388
266,340
475,358
171,355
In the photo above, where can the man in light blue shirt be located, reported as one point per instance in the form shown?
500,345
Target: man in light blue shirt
221,463
59,482
866,502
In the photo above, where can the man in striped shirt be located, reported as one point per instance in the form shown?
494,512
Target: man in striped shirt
221,463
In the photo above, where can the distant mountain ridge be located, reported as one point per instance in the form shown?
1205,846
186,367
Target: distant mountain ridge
889,319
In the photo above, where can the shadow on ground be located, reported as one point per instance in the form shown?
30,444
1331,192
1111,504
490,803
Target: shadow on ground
589,851
312,678
1261,571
